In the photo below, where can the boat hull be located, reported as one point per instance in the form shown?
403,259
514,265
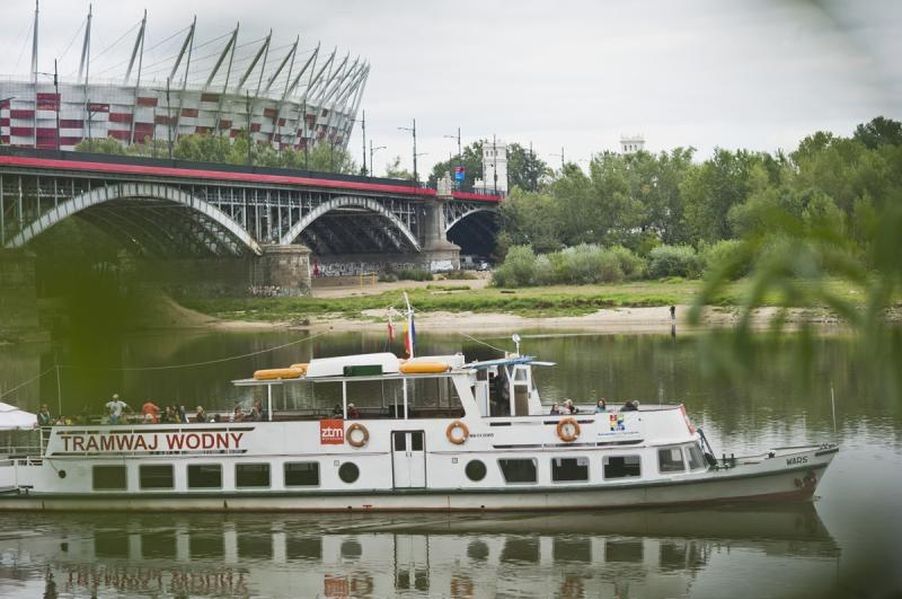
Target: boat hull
713,487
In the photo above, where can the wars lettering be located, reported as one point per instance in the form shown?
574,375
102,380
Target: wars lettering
797,460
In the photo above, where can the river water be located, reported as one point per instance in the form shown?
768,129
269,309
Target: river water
847,543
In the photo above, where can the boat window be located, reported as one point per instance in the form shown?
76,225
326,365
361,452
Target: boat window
109,478
400,441
670,460
251,475
622,466
371,399
155,476
569,469
204,476
433,397
416,441
349,472
518,471
694,457
475,470
301,474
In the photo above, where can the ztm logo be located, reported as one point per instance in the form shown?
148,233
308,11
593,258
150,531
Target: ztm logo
331,432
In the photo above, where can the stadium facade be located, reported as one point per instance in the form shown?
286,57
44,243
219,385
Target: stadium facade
286,96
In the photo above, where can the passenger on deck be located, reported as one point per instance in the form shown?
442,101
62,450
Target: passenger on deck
569,408
150,412
337,412
353,412
115,407
200,415
257,412
601,406
630,406
44,417
237,415
555,409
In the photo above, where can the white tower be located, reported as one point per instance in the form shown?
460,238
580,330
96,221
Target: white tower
494,167
631,143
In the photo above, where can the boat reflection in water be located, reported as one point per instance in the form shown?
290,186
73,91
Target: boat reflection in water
645,553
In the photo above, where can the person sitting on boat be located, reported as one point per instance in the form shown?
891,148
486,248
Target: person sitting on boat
115,407
200,415
237,415
555,409
151,412
601,406
337,412
630,406
353,412
44,417
569,408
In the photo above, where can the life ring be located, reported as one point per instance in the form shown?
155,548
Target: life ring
359,441
457,439
568,430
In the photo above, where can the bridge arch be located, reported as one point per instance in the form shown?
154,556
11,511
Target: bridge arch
123,191
465,215
349,202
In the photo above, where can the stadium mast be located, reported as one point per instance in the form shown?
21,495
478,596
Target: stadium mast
84,66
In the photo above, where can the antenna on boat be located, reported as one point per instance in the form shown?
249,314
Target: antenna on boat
516,339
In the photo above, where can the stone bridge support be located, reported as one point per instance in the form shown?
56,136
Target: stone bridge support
283,270
439,254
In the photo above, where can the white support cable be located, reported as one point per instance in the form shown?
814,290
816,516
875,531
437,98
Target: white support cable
28,382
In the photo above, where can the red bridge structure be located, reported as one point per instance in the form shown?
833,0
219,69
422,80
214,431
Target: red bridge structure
166,209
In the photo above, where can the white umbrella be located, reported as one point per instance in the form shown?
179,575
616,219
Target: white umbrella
13,418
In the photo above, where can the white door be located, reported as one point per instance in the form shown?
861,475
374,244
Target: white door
408,459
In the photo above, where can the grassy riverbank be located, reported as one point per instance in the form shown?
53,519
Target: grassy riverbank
460,296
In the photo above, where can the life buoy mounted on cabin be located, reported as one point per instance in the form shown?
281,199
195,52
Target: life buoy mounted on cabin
357,435
457,432
568,430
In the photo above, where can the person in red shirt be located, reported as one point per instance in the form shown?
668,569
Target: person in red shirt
151,412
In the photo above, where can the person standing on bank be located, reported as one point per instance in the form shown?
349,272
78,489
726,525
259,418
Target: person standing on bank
115,407
672,313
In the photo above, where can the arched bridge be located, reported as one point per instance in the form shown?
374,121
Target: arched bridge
164,209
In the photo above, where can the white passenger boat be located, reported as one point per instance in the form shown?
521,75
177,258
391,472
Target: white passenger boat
380,433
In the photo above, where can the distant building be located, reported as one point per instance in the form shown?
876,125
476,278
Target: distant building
292,98
631,143
494,167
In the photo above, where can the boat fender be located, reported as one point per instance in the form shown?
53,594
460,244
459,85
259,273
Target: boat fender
357,440
568,430
302,366
458,438
275,374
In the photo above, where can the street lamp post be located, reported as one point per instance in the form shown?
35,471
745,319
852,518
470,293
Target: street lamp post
373,151
459,152
56,88
413,130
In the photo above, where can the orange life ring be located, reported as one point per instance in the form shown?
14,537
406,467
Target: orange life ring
362,440
464,432
573,434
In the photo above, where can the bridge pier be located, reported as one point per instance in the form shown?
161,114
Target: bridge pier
18,294
283,270
439,254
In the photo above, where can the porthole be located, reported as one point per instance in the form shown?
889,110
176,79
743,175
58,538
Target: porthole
61,473
475,470
348,472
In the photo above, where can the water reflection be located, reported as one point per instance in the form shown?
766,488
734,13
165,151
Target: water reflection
627,553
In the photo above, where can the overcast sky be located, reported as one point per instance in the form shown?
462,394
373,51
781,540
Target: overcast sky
577,74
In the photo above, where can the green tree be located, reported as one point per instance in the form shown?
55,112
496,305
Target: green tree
524,169
394,170
880,131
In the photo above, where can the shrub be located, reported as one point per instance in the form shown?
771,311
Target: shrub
728,255
460,275
632,266
518,268
673,261
414,274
